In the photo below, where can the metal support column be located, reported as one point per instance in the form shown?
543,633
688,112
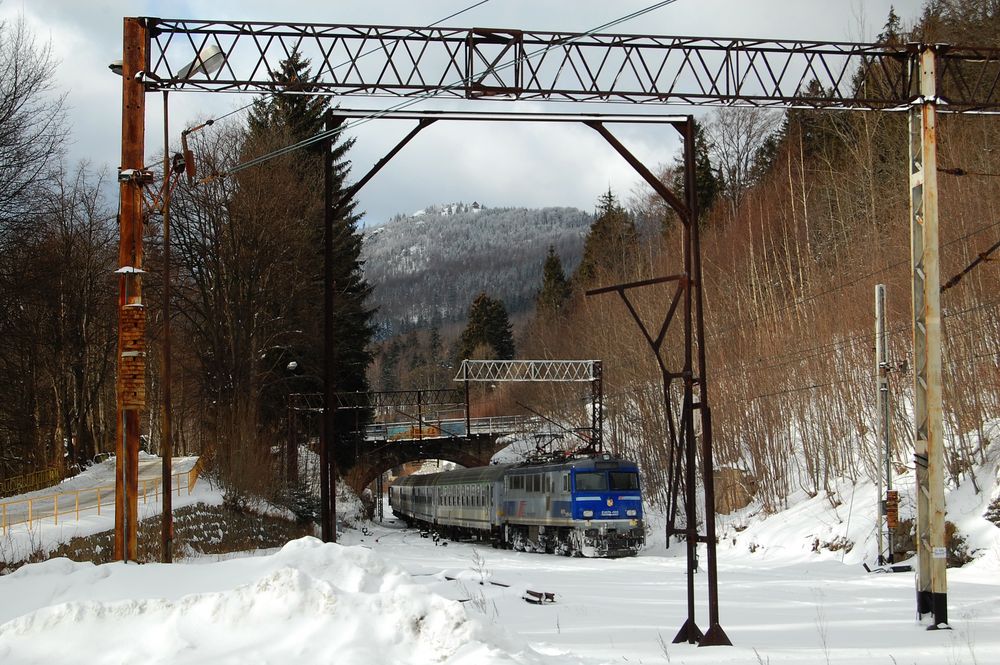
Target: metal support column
928,443
292,448
166,429
715,635
683,437
130,388
597,408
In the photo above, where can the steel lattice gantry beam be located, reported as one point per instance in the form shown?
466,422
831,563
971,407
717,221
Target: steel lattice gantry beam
476,63
560,371
496,371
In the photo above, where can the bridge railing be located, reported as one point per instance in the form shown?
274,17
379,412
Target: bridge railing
443,428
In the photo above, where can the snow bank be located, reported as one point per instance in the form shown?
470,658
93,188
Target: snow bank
841,525
309,602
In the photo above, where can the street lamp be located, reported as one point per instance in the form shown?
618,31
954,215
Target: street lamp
208,61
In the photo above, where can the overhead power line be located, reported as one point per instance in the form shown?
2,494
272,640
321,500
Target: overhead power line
322,136
347,62
842,285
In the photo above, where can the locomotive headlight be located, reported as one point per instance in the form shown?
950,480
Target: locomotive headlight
588,513
630,513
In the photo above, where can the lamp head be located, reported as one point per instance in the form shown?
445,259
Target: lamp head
116,67
209,60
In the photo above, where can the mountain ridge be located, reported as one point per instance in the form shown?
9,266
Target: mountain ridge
426,267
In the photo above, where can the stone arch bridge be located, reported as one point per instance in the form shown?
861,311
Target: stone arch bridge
412,425
428,424
377,457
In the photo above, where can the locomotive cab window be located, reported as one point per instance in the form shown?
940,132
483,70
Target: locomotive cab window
624,480
591,481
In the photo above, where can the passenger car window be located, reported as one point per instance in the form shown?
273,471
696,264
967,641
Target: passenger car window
591,481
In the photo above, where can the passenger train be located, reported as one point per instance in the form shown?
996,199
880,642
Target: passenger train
586,506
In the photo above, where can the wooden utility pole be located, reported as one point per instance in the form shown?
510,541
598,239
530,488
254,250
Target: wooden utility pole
131,383
932,553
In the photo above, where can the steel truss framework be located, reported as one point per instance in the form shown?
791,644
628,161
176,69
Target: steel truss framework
477,63
473,63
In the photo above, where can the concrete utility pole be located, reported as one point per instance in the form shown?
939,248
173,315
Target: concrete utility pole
932,583
886,518
131,384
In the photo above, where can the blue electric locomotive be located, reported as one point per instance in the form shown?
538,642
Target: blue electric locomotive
586,506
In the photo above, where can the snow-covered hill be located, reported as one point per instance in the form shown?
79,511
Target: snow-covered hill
428,266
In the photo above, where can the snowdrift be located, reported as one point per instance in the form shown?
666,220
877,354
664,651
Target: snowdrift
309,602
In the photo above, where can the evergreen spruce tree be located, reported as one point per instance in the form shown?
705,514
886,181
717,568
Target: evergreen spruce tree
707,181
292,117
488,326
555,287
434,359
610,244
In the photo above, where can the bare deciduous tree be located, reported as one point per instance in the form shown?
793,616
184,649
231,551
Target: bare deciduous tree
736,135
32,127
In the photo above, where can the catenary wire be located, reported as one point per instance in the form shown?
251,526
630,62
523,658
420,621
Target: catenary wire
843,285
346,62
321,136
830,346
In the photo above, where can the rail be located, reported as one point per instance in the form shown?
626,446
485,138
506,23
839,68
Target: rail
35,510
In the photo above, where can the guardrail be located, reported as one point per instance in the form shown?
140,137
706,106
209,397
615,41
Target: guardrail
29,481
443,429
53,506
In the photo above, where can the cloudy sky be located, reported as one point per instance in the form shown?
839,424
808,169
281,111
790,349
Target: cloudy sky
495,164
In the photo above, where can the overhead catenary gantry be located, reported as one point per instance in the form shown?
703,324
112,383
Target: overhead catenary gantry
543,371
477,63
485,63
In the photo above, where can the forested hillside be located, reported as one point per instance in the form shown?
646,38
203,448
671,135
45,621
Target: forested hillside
426,268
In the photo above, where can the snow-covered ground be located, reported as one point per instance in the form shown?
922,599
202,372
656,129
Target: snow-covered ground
390,597
386,595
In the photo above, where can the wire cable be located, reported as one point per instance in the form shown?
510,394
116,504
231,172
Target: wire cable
343,64
322,136
796,356
843,285
981,258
